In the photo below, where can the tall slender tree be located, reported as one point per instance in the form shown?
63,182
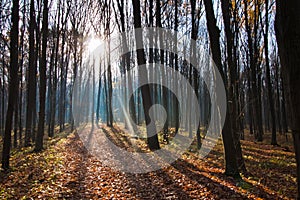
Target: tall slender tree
31,74
231,167
288,38
43,68
232,81
13,86
268,76
145,89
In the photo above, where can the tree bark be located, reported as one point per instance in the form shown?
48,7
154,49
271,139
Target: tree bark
288,38
255,99
31,74
145,89
40,134
231,95
13,88
231,167
268,78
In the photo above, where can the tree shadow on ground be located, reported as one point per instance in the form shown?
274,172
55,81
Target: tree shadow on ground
77,169
194,173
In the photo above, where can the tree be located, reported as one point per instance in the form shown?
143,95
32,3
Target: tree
231,83
43,67
145,89
13,86
288,38
231,167
268,76
252,25
31,77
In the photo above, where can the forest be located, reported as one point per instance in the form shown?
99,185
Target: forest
153,99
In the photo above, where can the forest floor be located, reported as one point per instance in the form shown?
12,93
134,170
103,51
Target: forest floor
66,170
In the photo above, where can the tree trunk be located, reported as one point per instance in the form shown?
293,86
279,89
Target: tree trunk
50,90
93,95
98,96
226,10
13,88
288,39
255,99
20,105
176,108
283,105
63,71
277,80
268,79
16,110
40,134
250,104
231,167
145,89
31,75
53,99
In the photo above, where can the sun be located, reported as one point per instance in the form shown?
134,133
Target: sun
93,43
